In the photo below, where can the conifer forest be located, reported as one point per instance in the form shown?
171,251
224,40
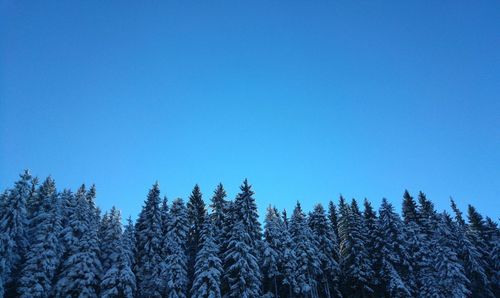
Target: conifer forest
58,243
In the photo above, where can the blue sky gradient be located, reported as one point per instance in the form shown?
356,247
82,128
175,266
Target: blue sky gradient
307,99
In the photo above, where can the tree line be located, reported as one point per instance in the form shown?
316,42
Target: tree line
57,244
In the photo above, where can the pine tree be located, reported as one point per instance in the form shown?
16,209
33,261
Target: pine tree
410,213
81,267
13,232
477,235
327,251
247,210
332,215
128,241
208,267
118,279
306,251
372,239
148,240
175,268
355,264
241,269
196,216
219,208
449,273
271,253
110,239
395,265
44,254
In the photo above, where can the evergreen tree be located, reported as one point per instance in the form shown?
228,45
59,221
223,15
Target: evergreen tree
372,239
13,232
118,279
128,240
219,208
327,251
306,251
44,254
395,266
196,216
332,215
449,273
478,237
285,218
355,263
410,213
110,238
241,270
271,253
247,210
175,269
148,240
81,267
208,267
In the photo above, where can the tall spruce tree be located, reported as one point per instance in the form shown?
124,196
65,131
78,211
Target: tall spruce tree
247,211
110,238
477,235
175,270
81,268
306,251
332,216
370,221
271,253
355,264
196,216
449,274
44,254
327,251
395,264
148,242
118,279
13,232
208,267
219,208
241,269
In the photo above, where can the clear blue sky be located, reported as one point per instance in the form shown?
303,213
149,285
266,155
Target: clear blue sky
308,99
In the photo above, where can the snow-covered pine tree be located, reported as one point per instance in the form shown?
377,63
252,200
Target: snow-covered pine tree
493,238
13,233
395,265
128,240
81,267
247,210
219,208
241,269
242,213
410,213
332,216
148,242
271,253
118,279
110,238
43,256
285,218
470,257
477,235
449,276
306,251
426,215
196,216
175,266
355,264
327,251
370,221
208,266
